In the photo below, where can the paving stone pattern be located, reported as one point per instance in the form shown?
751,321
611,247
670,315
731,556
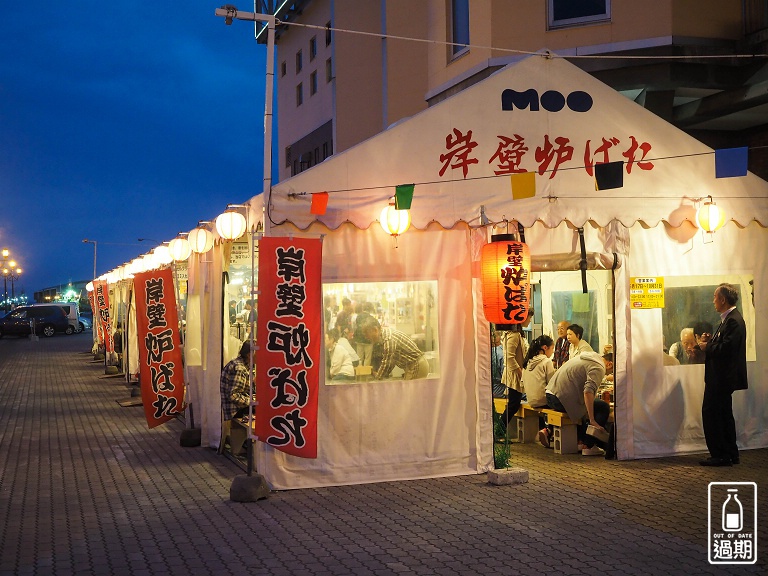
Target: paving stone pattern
86,488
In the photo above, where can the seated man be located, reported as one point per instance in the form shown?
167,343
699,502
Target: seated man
572,389
683,349
234,385
396,349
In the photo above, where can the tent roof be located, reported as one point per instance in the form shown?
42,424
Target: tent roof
459,153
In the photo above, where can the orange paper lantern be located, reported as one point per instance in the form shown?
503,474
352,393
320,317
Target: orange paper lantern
506,276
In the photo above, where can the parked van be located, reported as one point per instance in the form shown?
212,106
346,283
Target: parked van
46,318
72,311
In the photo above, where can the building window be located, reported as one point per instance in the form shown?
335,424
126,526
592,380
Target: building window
562,13
313,84
299,62
288,158
327,33
317,155
328,70
459,26
312,48
325,150
299,95
283,68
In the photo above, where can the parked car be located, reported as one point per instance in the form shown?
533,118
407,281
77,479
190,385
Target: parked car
72,311
85,323
47,320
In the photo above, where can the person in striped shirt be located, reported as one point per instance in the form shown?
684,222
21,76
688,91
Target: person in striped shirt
396,349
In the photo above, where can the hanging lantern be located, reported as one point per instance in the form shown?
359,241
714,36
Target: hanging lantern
230,225
393,221
710,217
89,287
161,256
136,266
200,240
505,271
179,249
149,262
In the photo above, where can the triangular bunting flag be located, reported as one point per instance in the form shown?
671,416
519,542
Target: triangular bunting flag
609,175
319,203
523,185
731,162
404,196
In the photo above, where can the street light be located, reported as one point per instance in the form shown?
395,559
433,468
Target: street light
86,241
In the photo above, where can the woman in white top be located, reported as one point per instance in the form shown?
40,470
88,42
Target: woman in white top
538,369
341,367
574,335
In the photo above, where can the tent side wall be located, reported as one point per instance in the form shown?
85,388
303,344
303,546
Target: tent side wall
666,409
397,429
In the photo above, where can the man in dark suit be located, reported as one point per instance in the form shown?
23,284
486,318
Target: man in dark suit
725,370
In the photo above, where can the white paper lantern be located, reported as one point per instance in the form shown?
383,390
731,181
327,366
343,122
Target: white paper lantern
393,221
230,225
200,240
161,256
710,216
179,249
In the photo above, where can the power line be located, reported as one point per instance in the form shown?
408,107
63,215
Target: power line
518,52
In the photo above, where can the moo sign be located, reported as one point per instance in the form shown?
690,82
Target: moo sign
551,100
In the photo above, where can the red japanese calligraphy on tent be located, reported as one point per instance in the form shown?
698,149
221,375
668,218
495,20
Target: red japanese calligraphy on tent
160,361
101,296
290,333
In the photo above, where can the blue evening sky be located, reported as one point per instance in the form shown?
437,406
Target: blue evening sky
121,121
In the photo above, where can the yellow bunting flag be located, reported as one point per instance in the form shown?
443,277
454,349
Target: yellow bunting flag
523,185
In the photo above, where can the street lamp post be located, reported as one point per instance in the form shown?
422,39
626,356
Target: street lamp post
14,275
248,486
86,241
6,271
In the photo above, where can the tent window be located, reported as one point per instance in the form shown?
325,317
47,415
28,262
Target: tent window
407,307
688,304
561,13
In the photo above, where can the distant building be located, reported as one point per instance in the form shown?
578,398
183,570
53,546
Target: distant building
69,292
336,89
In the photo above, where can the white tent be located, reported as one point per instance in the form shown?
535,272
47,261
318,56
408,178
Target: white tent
459,153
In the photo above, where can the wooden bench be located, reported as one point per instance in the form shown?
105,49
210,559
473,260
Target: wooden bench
565,437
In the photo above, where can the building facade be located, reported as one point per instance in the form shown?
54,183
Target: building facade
699,64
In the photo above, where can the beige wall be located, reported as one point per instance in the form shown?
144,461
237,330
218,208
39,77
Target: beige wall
295,122
522,25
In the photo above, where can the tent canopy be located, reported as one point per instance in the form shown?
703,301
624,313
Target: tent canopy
541,115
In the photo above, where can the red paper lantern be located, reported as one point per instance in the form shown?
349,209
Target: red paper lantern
505,271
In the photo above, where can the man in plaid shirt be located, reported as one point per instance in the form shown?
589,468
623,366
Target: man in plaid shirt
234,385
396,349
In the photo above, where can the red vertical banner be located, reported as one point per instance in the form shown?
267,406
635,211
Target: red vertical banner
290,333
101,292
160,363
95,313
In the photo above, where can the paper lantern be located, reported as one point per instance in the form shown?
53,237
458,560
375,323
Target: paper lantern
393,221
710,217
161,256
149,262
230,225
136,266
505,272
89,287
200,240
179,249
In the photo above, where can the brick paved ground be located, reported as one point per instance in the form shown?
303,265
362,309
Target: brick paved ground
86,488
